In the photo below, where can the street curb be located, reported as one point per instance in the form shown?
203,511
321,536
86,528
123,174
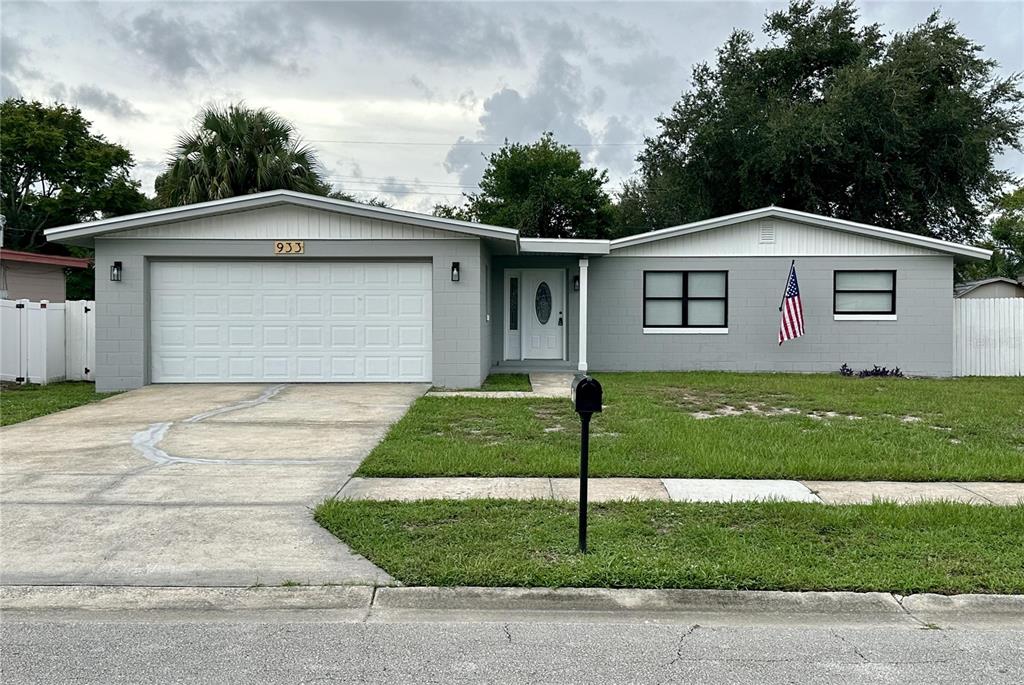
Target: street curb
132,598
927,603
365,599
615,600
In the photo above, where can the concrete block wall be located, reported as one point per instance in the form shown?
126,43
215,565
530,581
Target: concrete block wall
122,322
920,341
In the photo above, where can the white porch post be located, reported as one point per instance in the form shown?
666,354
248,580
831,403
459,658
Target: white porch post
583,315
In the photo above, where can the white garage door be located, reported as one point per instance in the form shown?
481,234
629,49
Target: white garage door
290,321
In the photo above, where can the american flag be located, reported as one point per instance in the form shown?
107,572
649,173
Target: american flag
792,309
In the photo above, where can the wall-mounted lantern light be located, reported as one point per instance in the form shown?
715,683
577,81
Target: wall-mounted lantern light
576,283
115,271
455,272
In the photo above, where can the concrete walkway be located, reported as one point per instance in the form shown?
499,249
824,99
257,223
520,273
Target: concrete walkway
681,490
545,384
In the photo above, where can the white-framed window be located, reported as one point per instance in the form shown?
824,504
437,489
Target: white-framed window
685,299
864,293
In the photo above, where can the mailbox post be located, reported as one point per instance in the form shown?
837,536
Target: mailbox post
586,400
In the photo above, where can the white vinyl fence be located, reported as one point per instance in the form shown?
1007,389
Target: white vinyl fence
988,337
42,342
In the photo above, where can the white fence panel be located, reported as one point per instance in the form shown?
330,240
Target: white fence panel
42,342
12,331
80,327
988,337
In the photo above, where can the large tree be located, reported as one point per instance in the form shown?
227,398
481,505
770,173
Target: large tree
1005,239
835,118
55,171
236,150
542,189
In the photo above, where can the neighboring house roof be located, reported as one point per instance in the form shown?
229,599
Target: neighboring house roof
941,246
961,289
33,258
242,203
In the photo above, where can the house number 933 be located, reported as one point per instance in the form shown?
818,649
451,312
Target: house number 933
289,247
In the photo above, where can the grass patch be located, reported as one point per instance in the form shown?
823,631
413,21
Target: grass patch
503,382
726,425
939,547
23,402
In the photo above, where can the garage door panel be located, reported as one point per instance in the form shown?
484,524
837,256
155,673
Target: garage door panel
208,336
275,306
378,306
299,321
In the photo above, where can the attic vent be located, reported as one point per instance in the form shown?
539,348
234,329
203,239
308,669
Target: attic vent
767,233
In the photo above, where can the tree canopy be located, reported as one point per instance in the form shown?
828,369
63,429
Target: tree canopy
836,119
55,171
236,150
1006,240
542,189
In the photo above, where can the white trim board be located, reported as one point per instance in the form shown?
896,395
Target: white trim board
864,317
686,331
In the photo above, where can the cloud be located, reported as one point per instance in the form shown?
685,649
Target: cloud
179,46
617,152
638,71
440,33
392,186
14,58
94,97
14,62
618,32
422,87
556,102
8,88
544,34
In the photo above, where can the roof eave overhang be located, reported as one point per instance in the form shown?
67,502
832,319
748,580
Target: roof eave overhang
564,246
961,252
83,233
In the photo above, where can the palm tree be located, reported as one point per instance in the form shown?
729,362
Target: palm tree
235,150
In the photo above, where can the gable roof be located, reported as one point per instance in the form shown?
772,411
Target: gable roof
242,203
941,246
961,289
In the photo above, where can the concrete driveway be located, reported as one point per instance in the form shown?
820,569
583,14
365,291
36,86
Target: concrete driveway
189,485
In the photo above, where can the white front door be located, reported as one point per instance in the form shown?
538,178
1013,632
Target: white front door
543,313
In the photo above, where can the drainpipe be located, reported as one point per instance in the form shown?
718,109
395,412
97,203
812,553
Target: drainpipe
584,263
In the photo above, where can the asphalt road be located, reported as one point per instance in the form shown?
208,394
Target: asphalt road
320,647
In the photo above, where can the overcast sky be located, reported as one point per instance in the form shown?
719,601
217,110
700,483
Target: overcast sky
403,100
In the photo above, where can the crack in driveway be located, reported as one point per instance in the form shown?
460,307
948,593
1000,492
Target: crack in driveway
147,442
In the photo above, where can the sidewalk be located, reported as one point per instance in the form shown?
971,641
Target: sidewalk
552,384
681,490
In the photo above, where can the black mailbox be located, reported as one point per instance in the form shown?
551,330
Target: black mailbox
586,395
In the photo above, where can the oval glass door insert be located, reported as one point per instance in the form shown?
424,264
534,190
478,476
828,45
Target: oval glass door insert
542,302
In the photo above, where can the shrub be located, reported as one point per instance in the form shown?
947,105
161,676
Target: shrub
874,372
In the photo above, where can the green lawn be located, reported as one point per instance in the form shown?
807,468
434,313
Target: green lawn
756,426
507,381
940,547
22,402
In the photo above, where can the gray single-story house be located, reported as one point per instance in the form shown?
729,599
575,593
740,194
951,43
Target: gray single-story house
287,287
988,288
